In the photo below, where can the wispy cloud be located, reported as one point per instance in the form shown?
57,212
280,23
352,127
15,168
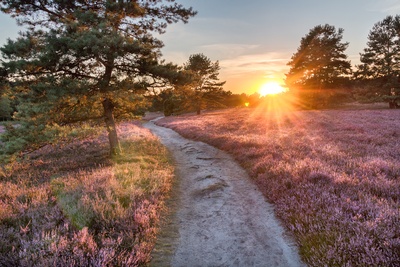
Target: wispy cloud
388,6
248,72
238,59
223,51
270,64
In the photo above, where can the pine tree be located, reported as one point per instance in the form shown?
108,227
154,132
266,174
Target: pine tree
205,84
380,62
381,58
84,60
320,63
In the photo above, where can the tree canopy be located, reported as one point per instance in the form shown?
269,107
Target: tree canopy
205,83
87,59
379,71
320,62
381,58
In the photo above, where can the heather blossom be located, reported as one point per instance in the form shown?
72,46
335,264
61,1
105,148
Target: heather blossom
333,176
69,204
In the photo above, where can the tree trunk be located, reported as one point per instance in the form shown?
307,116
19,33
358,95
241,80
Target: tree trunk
115,148
198,104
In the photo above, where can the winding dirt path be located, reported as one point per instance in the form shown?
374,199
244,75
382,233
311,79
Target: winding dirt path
222,218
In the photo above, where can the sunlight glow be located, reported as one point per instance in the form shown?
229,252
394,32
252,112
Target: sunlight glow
247,104
271,88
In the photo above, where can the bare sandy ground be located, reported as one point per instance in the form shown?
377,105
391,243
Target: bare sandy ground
221,217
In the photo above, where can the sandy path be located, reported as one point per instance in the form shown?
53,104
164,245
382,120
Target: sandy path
223,219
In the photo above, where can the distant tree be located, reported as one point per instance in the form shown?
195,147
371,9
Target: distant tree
320,62
204,82
382,56
380,62
172,96
230,99
84,60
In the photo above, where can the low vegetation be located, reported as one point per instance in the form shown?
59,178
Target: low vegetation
69,204
333,176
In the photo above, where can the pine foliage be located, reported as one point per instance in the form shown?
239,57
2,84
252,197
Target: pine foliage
381,58
205,87
76,55
320,62
380,62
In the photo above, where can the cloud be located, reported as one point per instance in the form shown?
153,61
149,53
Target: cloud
224,51
388,6
247,72
271,64
243,66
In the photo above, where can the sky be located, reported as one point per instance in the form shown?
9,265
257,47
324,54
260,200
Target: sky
254,40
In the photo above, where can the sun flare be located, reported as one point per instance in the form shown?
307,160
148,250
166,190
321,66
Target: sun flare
271,88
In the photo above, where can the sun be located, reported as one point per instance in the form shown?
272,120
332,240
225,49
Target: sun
271,88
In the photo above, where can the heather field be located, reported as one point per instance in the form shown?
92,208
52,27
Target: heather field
69,204
333,176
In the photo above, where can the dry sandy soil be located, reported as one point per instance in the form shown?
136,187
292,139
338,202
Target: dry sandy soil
221,218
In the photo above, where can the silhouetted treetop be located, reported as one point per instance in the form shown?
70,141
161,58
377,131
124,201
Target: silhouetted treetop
204,80
381,57
320,61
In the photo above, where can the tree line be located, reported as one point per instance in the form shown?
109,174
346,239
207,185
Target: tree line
320,72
